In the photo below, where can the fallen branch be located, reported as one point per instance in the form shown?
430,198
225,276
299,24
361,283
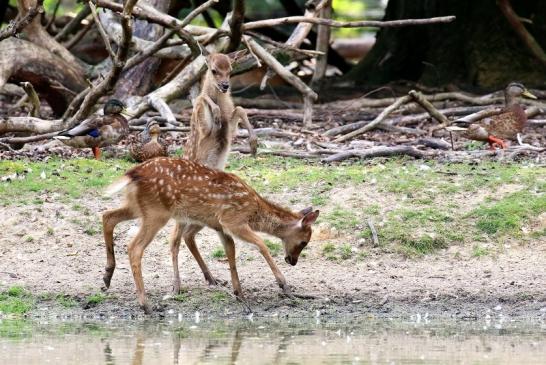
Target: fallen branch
377,121
380,151
29,124
427,105
375,238
341,24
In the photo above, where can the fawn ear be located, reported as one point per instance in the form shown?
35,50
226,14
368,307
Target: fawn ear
306,211
309,218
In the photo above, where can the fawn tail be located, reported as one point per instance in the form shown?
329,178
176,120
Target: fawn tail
118,185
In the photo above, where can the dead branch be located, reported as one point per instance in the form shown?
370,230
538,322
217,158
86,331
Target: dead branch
521,31
102,32
22,140
15,27
474,117
380,151
161,106
427,105
236,25
78,36
54,15
375,238
268,59
377,121
340,24
117,67
323,44
74,23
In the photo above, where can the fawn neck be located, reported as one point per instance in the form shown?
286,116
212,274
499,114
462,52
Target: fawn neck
273,219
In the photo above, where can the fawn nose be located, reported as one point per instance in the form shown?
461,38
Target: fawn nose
224,86
291,260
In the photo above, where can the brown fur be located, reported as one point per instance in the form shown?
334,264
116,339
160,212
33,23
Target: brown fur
197,196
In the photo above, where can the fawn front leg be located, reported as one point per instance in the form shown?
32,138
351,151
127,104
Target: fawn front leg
240,114
189,239
214,109
145,235
110,219
245,233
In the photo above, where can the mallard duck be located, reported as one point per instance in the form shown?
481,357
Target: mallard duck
142,151
98,131
506,125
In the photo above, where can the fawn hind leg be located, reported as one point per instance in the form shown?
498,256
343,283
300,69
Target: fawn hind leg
229,247
148,230
110,219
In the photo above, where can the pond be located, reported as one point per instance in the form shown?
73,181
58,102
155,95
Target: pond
273,341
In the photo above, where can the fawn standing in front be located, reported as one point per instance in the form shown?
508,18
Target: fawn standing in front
164,188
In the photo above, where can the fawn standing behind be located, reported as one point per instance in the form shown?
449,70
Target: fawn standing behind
214,124
164,188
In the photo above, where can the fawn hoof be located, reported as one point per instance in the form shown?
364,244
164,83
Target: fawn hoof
215,282
253,146
146,308
176,288
107,278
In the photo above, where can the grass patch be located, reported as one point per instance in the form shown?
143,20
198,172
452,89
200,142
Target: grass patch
345,251
508,214
218,253
181,297
479,251
16,300
422,245
66,301
274,248
219,297
95,299
342,219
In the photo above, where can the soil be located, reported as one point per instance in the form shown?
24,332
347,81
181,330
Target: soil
61,258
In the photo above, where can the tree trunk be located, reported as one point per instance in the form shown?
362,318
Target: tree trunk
479,49
139,79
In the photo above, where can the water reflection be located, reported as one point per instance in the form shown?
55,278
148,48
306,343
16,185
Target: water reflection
271,342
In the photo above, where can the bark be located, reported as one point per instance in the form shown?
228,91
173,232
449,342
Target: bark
53,78
138,79
479,49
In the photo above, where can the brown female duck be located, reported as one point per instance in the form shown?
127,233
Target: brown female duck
140,151
504,126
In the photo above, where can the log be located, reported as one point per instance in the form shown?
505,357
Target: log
29,125
21,60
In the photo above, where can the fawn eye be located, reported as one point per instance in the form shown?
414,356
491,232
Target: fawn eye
214,72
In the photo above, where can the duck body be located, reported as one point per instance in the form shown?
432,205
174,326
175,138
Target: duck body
98,131
504,126
142,151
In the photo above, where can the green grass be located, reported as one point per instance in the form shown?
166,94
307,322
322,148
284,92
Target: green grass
218,253
76,178
16,300
342,219
181,297
66,301
219,297
479,251
274,248
95,299
508,214
345,251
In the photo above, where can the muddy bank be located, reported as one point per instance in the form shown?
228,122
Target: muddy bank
62,267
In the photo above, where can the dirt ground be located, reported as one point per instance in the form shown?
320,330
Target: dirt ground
66,256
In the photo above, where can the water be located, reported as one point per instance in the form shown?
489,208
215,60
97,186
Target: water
272,342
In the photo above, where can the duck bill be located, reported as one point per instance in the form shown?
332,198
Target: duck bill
126,113
528,95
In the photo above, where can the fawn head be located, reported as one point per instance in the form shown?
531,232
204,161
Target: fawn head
220,68
298,236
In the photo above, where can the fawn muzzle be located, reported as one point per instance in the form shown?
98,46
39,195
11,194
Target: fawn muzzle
291,260
223,86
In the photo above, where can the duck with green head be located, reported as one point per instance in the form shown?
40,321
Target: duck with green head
505,126
98,131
